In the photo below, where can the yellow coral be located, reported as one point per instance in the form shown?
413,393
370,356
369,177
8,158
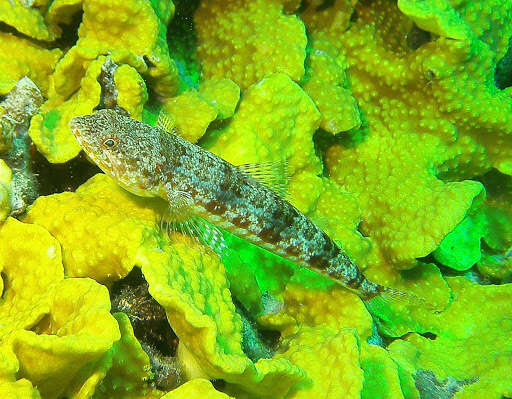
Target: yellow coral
132,92
31,60
196,388
121,372
404,207
51,327
222,95
61,11
192,111
337,212
112,28
26,20
309,300
191,285
136,26
102,209
331,359
275,121
320,326
190,114
21,389
324,83
49,129
71,68
188,281
328,23
381,376
37,258
245,41
424,116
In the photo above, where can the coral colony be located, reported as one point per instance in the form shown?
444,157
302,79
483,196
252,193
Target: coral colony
394,121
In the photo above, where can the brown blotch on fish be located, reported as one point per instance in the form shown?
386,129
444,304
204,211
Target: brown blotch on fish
270,234
215,207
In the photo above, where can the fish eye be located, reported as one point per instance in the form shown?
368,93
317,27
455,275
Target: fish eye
111,142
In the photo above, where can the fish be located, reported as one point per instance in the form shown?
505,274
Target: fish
152,162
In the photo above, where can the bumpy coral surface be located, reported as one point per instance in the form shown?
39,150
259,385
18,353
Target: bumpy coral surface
394,121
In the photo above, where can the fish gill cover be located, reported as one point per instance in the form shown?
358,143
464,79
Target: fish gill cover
395,119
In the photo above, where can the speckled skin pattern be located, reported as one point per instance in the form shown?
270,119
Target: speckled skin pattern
149,161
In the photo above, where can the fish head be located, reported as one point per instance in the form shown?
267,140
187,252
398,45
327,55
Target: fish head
125,149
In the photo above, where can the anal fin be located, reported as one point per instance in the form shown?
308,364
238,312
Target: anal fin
273,174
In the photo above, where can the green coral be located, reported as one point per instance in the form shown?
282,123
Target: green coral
472,341
460,249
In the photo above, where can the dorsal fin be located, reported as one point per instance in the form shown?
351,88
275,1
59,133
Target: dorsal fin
166,122
273,174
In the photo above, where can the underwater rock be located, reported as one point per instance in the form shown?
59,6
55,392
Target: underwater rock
16,111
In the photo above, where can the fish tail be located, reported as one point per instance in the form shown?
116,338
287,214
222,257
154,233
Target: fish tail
342,269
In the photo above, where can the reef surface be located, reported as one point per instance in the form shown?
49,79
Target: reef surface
395,119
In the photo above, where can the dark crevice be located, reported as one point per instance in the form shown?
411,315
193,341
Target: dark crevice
417,37
69,35
495,182
445,270
219,384
429,335
322,140
354,17
257,343
361,229
149,80
9,29
56,178
148,62
182,40
213,132
43,325
67,40
130,295
325,5
503,71
304,5
5,28
5,281
148,318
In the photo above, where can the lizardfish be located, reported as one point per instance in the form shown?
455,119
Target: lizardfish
152,162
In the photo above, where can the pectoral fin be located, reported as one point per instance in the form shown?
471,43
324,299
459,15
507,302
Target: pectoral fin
181,219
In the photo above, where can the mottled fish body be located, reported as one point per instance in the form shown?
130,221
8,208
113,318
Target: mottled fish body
149,161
